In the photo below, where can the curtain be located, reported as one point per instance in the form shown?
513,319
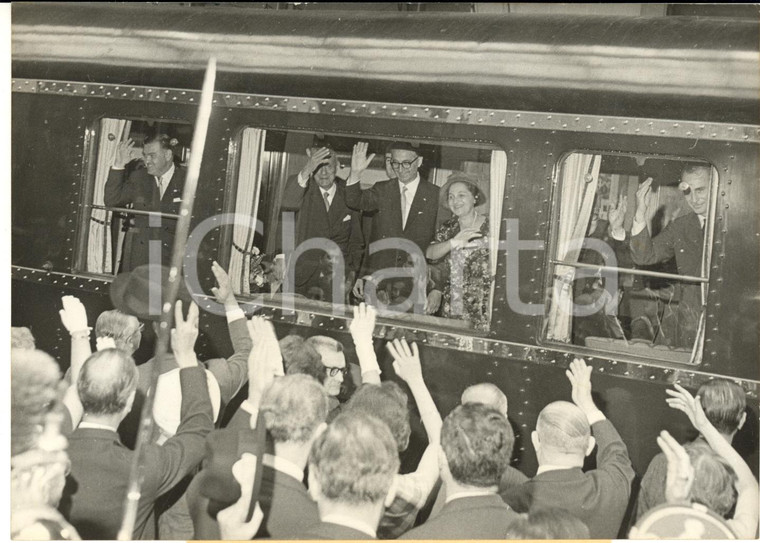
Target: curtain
578,182
498,179
246,203
99,254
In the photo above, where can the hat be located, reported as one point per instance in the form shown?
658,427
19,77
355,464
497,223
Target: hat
139,292
692,521
468,179
167,402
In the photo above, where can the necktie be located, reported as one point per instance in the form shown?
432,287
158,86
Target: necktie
327,201
403,207
160,182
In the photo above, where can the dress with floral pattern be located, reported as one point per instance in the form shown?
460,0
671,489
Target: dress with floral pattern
469,269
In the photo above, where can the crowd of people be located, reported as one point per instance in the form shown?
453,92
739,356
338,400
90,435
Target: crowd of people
294,462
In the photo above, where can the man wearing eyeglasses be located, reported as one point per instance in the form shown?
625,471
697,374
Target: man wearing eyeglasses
405,207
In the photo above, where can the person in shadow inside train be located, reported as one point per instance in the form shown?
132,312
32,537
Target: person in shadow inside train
402,208
318,197
461,244
156,187
681,239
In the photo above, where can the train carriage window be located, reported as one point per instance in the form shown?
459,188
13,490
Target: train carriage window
135,188
631,258
321,236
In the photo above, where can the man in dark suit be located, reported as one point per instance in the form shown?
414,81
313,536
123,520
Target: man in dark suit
477,443
351,468
562,440
404,208
319,199
683,239
157,187
100,465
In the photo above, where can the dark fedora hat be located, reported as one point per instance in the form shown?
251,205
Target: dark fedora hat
141,291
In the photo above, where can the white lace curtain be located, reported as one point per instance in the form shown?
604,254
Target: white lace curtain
247,203
495,204
99,253
578,182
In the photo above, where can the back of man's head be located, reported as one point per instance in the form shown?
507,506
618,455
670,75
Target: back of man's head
487,394
325,343
724,403
123,328
549,523
388,402
106,382
21,338
293,408
714,479
477,441
301,357
563,428
354,460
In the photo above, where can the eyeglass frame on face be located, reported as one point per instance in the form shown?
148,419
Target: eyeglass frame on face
406,164
333,371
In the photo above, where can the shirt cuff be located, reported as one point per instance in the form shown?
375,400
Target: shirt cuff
301,181
637,227
595,417
117,168
235,314
249,408
616,235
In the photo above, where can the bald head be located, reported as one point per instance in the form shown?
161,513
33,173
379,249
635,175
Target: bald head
106,382
487,394
563,428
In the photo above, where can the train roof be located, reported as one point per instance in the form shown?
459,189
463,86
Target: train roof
699,69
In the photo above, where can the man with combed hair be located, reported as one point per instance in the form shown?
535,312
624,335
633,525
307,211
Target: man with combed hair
351,468
294,408
101,464
562,440
477,442
725,404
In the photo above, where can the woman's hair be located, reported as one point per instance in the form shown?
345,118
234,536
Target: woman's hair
468,180
121,327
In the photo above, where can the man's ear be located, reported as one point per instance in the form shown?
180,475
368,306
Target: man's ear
419,164
742,420
308,152
130,401
535,441
315,490
443,464
591,445
168,155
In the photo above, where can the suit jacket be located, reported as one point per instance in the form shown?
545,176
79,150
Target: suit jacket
328,530
598,497
340,225
477,517
93,498
383,200
288,508
140,190
682,239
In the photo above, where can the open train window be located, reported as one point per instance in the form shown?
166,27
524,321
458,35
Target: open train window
326,244
631,258
134,193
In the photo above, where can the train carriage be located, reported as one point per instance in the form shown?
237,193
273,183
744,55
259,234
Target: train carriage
556,115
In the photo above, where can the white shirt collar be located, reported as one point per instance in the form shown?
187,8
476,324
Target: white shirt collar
411,188
350,522
285,466
165,177
96,426
330,192
469,494
551,467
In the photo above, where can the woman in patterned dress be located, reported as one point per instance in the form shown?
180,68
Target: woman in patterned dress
461,245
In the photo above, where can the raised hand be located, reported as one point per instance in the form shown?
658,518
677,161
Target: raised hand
316,159
579,375
232,523
433,301
643,199
358,289
617,214
184,335
467,234
123,153
406,361
265,359
359,159
223,292
682,400
680,471
363,324
73,315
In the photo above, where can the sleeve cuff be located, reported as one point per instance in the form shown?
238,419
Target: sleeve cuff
249,408
616,235
301,181
595,417
637,227
117,168
235,314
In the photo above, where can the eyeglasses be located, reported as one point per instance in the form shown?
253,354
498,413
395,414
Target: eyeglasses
406,164
333,372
